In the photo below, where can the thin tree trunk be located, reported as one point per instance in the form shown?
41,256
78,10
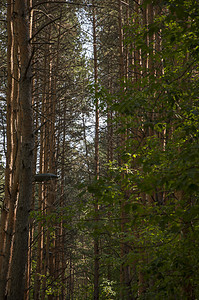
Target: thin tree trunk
31,226
124,270
42,191
4,211
96,206
13,144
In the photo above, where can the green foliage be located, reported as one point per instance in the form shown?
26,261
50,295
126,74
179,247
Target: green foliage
148,198
107,290
158,176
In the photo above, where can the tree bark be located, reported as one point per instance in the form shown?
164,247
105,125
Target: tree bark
20,247
12,157
5,208
96,205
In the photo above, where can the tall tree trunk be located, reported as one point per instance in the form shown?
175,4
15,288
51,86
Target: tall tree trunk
12,157
125,290
31,226
5,208
42,188
20,247
96,206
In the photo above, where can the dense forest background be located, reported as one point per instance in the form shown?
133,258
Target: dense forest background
99,149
